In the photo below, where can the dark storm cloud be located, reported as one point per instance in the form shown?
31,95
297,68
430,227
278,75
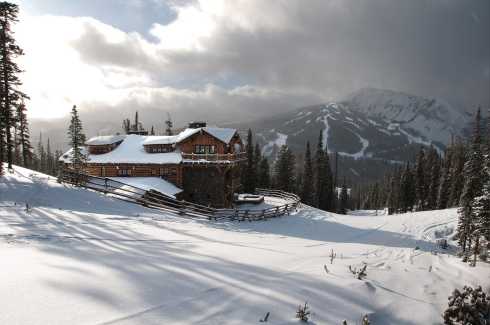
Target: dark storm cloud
433,48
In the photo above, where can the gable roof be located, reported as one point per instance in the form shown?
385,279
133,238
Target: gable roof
223,134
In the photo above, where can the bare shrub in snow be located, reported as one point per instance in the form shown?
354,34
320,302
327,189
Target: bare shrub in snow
332,256
303,312
365,320
266,318
359,273
469,306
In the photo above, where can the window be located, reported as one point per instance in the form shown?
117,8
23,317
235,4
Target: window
124,172
168,171
203,148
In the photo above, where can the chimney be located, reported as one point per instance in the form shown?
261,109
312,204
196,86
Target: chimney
197,125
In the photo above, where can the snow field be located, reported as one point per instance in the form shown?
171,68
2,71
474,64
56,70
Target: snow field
78,257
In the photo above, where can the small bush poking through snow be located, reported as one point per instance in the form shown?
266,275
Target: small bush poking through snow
266,318
365,320
359,274
303,312
469,306
332,256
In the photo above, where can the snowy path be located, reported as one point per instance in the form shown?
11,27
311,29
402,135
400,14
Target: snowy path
81,258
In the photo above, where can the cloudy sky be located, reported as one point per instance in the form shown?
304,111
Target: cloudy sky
224,60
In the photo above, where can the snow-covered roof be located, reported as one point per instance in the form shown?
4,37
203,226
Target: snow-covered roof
223,134
130,151
104,139
160,139
150,183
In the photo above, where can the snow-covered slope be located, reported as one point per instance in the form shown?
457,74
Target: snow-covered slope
433,119
77,257
370,123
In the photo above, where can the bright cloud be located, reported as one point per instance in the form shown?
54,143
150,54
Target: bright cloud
247,58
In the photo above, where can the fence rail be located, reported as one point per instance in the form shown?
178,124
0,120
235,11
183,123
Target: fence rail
157,200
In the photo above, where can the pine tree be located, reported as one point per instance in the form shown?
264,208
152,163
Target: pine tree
344,197
152,132
284,170
257,159
393,193
249,177
420,180
472,188
136,126
41,155
10,95
23,135
77,140
127,126
50,164
264,179
323,177
307,190
434,176
169,124
481,204
445,182
407,190
457,175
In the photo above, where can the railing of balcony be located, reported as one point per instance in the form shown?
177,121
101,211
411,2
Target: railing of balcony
217,157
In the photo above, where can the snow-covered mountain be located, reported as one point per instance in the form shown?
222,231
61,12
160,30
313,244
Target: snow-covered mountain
432,119
370,123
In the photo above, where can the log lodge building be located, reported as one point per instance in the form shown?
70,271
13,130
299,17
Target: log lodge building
200,164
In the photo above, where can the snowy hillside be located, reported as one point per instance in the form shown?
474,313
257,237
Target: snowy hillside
430,118
370,123
77,257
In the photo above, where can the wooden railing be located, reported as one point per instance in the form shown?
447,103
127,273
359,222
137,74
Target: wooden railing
214,157
159,201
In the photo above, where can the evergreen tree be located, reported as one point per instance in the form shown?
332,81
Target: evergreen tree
249,177
77,140
344,197
168,125
392,201
127,126
264,179
23,135
41,155
434,168
323,177
307,190
472,188
445,182
152,132
420,180
407,190
481,204
50,164
457,175
10,95
257,159
285,170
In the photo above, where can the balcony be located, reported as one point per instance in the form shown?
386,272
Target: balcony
210,158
